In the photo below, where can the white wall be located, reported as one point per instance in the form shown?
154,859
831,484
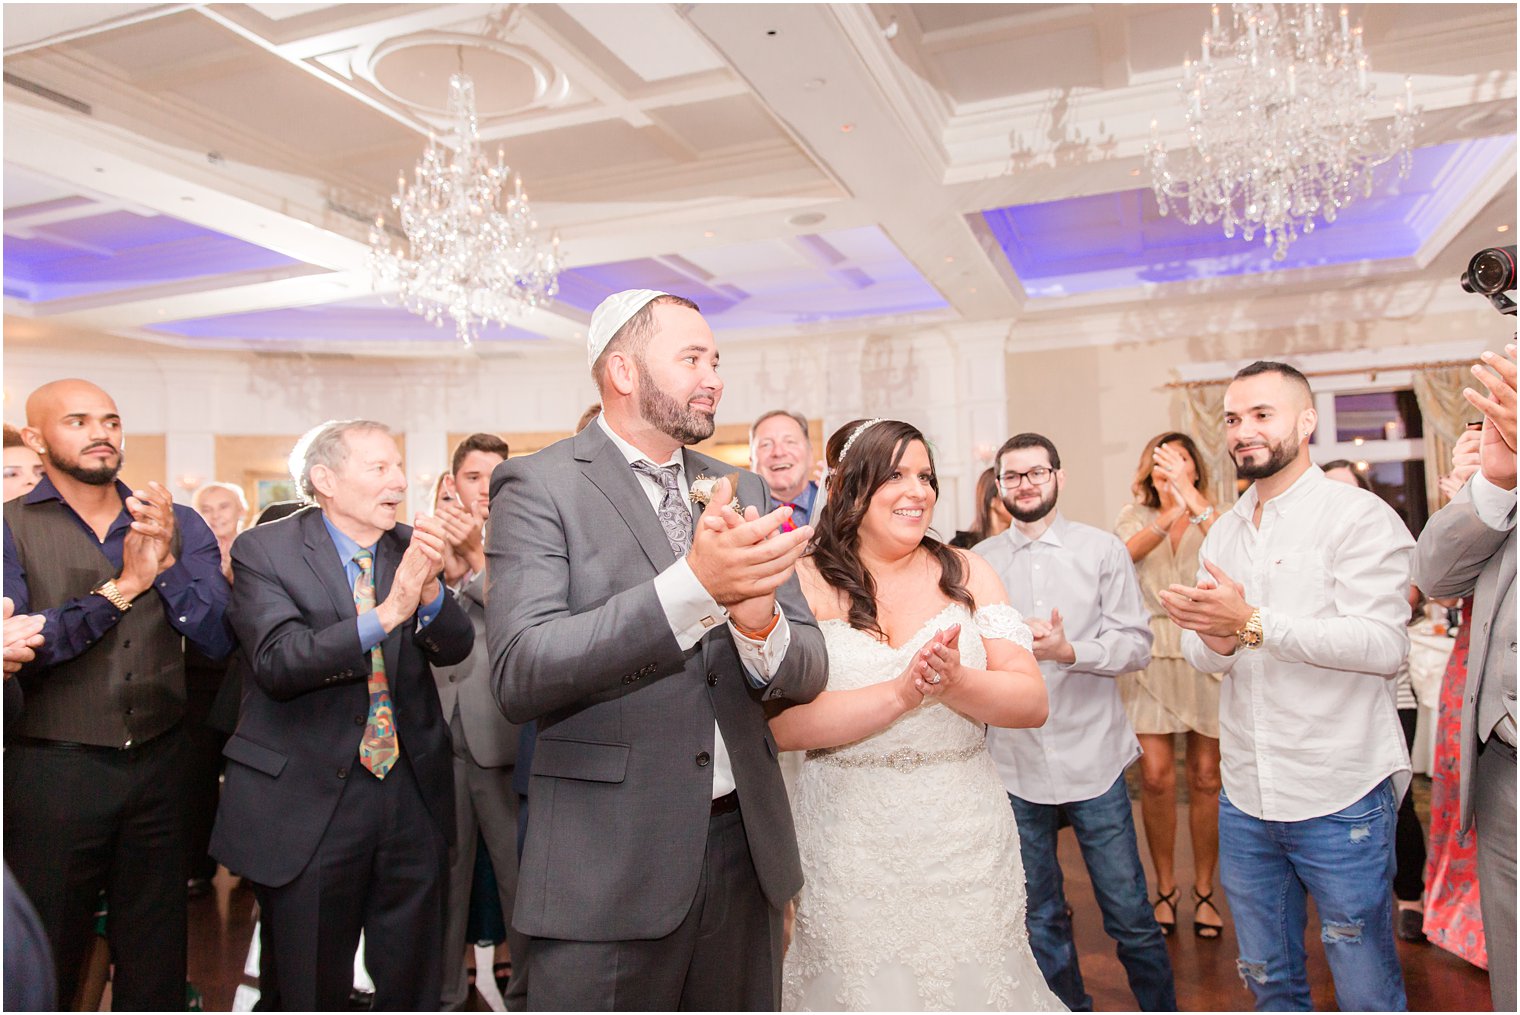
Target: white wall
1094,382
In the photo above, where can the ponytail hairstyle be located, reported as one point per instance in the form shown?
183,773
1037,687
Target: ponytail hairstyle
875,450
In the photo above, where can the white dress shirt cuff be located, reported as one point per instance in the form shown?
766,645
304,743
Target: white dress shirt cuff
761,659
1086,655
1494,505
1209,661
689,609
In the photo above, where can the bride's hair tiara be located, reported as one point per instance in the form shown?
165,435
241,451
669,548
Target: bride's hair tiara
862,428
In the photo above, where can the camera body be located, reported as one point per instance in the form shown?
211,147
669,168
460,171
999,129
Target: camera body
1491,273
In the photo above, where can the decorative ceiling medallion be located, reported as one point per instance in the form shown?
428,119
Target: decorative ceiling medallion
508,78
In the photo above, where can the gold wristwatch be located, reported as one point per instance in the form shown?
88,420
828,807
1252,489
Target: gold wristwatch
1250,636
108,591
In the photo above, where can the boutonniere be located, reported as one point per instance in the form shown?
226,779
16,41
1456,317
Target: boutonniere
703,487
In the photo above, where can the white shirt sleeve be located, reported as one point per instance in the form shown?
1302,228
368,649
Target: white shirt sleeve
689,609
1204,659
1494,505
761,659
691,612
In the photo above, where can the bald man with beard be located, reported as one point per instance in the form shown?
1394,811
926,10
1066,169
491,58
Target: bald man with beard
94,765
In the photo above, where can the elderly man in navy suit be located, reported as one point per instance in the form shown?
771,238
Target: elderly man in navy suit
339,797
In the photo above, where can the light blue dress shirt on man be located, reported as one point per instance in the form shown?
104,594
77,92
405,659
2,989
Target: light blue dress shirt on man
371,631
1088,741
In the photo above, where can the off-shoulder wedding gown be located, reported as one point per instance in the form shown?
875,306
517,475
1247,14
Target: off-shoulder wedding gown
914,889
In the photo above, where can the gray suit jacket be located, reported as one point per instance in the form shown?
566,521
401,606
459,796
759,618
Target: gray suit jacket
490,736
622,778
1458,555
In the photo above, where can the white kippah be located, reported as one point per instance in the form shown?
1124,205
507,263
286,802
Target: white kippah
614,312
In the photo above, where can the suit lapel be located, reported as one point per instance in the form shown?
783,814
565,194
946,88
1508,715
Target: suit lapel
610,473
323,560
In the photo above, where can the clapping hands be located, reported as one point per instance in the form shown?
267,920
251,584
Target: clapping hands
1466,458
935,669
416,580
464,532
1497,448
23,636
742,559
1174,476
1050,643
148,548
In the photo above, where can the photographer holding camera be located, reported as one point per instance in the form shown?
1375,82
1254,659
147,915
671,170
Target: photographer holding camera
1468,548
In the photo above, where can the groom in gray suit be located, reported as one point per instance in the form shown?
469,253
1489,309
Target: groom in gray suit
660,850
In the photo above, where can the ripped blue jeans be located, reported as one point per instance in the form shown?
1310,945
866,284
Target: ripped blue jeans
1345,860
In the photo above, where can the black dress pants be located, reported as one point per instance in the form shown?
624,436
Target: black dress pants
203,766
1408,836
380,868
82,820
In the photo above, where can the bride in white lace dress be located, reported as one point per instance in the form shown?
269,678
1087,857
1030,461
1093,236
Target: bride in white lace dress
914,891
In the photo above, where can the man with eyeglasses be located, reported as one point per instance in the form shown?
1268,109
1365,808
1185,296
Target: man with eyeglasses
1077,589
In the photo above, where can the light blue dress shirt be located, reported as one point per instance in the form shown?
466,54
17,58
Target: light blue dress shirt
371,631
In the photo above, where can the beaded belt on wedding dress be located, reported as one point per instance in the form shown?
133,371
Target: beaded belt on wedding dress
904,759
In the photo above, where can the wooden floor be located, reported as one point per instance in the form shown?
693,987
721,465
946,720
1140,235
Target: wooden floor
222,923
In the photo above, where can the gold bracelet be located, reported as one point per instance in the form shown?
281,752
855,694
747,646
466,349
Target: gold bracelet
108,591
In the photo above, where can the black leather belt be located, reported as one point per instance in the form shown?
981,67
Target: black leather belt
726,804
70,745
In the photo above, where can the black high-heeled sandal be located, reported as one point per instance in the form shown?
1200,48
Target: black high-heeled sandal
1169,899
502,971
1207,931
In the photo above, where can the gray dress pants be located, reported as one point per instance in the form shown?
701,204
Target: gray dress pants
484,800
1494,816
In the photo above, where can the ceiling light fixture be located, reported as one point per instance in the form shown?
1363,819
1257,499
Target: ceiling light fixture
471,250
1280,125
1503,229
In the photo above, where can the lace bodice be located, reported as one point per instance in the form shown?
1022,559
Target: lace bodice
856,659
908,844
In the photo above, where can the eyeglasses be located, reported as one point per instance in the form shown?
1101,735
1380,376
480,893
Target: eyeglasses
1037,476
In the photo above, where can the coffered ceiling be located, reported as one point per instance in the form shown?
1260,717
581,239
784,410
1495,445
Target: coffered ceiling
204,174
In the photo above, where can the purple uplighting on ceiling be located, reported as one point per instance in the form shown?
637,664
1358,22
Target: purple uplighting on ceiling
364,320
1121,241
802,280
116,251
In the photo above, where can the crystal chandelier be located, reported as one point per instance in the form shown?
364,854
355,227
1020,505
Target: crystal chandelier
470,250
1279,120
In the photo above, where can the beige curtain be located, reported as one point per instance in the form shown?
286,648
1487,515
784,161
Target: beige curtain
1202,414
1438,390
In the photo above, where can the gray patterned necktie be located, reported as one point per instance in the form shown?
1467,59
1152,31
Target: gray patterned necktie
675,518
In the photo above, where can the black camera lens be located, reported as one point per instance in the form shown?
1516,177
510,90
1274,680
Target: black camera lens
1490,271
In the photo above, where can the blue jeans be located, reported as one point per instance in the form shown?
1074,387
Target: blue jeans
1105,828
1346,861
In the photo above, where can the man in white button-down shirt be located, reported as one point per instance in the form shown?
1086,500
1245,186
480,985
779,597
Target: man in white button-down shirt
1077,589
1300,603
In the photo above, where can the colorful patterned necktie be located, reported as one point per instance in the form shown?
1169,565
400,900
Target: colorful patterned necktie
675,517
791,522
380,748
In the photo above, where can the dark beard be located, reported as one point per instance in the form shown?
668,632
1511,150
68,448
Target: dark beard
100,475
670,417
1045,507
1280,457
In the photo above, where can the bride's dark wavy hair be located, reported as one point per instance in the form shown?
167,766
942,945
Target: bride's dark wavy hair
874,456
